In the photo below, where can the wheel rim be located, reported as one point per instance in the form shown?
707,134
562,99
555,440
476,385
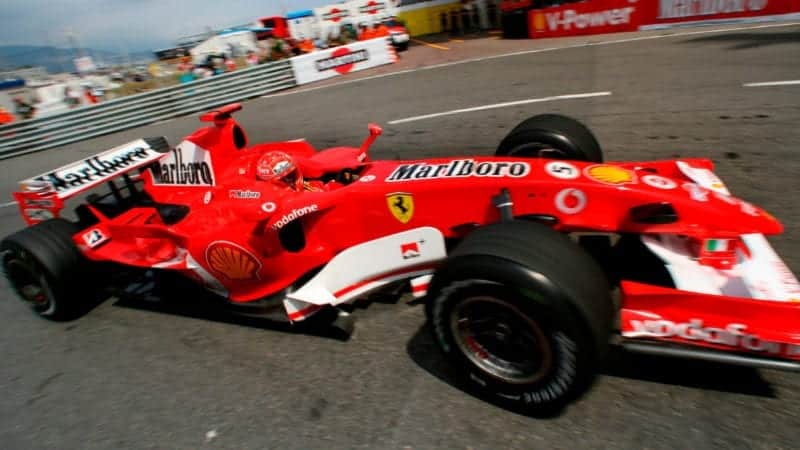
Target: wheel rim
27,281
501,340
537,150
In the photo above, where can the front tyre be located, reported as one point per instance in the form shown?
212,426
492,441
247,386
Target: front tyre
527,331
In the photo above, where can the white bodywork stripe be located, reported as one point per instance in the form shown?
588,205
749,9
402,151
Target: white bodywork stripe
762,275
373,264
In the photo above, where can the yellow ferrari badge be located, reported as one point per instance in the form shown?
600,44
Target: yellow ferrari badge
401,205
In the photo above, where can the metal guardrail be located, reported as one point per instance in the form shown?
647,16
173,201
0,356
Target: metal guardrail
132,111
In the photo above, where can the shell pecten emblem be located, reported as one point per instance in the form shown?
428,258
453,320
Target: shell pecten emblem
232,261
610,174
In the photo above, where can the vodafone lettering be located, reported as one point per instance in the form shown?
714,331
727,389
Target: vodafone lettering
295,214
732,335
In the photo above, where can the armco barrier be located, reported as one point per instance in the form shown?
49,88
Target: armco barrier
141,109
115,115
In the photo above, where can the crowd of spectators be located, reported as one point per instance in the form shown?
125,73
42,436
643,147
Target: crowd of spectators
274,49
27,106
268,50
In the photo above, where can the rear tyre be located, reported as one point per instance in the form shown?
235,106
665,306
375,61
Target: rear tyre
551,136
524,313
45,268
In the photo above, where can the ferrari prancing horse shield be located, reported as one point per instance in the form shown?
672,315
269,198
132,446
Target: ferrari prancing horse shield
401,205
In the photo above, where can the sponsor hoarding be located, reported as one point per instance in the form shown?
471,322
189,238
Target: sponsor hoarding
611,16
678,11
592,17
337,61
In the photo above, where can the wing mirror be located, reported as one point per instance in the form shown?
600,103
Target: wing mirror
375,130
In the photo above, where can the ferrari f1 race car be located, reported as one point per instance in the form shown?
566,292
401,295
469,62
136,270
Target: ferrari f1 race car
530,262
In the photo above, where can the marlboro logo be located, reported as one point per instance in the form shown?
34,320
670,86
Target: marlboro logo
459,168
371,8
186,165
342,60
409,250
335,15
80,175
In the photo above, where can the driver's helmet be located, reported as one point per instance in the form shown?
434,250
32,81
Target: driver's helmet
279,168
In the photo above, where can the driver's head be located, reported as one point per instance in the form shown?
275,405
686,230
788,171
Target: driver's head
279,168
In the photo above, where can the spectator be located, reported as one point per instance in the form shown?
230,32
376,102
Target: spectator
186,64
280,50
321,43
294,47
90,97
364,33
5,116
186,69
252,58
381,30
202,72
71,97
187,75
348,33
23,109
467,9
455,23
230,64
306,45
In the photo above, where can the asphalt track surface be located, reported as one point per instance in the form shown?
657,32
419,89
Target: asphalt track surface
181,375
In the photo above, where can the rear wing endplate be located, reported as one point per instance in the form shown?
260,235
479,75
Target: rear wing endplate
46,192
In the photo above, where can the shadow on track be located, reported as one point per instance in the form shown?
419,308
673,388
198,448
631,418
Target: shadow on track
619,364
743,41
183,298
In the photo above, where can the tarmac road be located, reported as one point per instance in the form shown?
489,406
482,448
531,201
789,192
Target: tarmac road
178,376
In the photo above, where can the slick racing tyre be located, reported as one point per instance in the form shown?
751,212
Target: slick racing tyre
551,136
45,268
524,313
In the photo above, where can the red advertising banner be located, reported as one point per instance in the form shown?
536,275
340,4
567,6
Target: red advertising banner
610,16
588,17
676,11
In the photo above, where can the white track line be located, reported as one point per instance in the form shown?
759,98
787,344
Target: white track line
6,205
772,83
500,105
666,34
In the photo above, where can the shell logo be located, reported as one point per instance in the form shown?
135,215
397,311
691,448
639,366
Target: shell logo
610,174
232,261
539,22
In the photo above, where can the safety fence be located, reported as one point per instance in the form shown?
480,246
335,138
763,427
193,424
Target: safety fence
141,109
120,114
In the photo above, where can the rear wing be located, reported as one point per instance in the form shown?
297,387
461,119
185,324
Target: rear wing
42,197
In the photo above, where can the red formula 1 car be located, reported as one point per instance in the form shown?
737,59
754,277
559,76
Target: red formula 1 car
517,255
